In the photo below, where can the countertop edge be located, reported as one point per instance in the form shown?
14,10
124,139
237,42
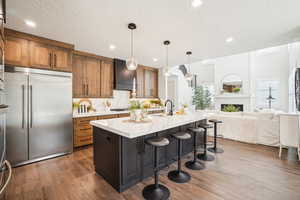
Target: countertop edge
97,123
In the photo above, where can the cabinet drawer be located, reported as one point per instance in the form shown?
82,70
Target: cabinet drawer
83,140
83,132
84,121
107,117
124,115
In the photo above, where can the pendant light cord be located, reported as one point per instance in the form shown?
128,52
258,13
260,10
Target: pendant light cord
131,44
167,56
189,60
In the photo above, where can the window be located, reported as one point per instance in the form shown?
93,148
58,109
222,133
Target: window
266,89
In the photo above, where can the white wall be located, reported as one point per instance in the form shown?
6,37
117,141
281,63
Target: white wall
205,72
237,65
272,64
266,64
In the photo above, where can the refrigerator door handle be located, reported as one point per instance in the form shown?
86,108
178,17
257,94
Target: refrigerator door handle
23,106
31,117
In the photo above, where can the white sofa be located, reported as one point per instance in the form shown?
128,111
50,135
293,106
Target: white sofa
250,127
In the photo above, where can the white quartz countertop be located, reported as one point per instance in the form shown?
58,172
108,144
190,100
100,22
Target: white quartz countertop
157,122
102,113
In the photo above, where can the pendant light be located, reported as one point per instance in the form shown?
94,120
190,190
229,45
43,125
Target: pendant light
166,68
188,75
131,63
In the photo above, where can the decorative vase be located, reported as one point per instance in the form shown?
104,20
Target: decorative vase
138,115
132,115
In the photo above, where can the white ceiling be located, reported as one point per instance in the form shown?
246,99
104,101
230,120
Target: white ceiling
92,25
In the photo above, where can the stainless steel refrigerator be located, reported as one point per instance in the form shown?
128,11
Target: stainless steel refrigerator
39,121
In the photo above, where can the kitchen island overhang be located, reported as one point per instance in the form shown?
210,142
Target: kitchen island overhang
121,156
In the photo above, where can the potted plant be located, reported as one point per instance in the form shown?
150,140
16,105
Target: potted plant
202,98
135,110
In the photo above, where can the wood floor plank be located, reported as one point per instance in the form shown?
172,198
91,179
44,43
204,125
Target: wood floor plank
242,172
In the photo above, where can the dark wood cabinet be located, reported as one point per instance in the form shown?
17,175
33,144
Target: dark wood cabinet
147,82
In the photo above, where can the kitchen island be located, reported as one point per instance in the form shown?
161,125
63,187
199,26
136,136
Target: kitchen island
121,156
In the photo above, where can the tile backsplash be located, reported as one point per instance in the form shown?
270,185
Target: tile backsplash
120,100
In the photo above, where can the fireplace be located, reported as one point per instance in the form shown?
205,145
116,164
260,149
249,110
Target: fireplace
239,107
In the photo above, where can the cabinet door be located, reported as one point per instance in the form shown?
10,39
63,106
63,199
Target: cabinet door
150,83
62,60
40,56
106,79
79,76
140,82
93,70
16,51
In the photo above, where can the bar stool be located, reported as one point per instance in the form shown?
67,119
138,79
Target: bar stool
215,149
194,164
178,175
205,156
156,191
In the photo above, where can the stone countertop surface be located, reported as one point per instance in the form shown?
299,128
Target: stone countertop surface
156,122
102,113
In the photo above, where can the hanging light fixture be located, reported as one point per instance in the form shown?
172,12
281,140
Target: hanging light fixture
166,68
189,75
131,63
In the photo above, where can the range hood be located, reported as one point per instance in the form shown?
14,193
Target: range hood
123,78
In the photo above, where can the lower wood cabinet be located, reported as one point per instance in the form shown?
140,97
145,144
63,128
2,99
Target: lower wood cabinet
83,131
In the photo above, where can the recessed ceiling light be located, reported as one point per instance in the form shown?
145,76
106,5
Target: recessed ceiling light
155,59
196,3
30,23
112,47
230,39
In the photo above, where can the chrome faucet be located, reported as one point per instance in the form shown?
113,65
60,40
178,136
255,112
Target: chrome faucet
171,110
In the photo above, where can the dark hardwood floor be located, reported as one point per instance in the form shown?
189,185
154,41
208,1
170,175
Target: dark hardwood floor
243,172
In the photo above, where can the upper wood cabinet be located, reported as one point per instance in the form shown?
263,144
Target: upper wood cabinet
40,56
92,76
147,82
140,76
107,79
16,51
31,51
78,76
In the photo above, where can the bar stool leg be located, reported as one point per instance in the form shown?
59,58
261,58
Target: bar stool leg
156,191
215,149
194,164
204,156
178,175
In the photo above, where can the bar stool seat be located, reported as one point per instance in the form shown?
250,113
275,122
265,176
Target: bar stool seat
182,135
156,191
205,156
215,149
195,164
215,121
158,141
178,175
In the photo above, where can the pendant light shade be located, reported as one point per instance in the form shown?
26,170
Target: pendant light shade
189,75
166,68
131,63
